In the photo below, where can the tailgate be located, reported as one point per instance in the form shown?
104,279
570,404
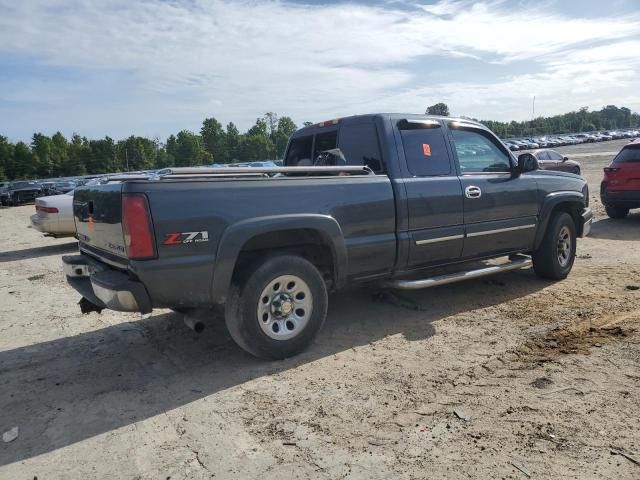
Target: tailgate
97,210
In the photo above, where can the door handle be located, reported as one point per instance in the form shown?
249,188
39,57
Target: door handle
472,192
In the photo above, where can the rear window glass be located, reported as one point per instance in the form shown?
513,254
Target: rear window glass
359,145
426,152
299,153
628,155
325,141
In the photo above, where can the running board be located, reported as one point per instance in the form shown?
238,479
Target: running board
516,262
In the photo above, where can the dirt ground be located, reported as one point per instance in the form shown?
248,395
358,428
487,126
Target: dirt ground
505,377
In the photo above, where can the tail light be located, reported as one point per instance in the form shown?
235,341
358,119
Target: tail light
611,169
137,227
40,208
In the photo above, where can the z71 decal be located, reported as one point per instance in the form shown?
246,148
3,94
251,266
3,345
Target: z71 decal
180,238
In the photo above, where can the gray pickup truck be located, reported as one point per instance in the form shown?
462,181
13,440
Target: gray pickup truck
400,201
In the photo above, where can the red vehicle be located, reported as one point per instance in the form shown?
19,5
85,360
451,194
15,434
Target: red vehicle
620,188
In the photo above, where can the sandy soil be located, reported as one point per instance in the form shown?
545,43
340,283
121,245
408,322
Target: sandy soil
504,377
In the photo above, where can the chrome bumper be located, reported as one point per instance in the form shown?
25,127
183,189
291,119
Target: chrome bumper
587,220
105,287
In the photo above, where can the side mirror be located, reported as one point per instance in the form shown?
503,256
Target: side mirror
564,159
527,163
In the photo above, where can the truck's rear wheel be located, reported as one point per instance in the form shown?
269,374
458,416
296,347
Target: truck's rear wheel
278,310
555,256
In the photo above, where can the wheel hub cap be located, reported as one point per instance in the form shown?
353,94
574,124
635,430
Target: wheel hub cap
284,307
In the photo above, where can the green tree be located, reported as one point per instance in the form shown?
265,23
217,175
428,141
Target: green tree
189,150
284,130
41,148
215,141
233,142
6,158
438,109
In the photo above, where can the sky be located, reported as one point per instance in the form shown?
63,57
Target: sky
155,67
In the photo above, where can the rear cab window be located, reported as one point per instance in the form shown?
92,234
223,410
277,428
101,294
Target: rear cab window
357,139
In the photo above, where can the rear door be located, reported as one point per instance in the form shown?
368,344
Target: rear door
500,209
434,194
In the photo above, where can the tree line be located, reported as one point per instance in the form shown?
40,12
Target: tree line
57,156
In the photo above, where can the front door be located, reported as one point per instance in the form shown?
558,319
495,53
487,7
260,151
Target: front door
500,208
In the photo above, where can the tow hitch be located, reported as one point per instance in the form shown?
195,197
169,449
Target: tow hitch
87,306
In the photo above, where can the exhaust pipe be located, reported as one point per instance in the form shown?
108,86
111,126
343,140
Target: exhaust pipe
193,323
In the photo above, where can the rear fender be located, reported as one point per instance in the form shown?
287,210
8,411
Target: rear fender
237,235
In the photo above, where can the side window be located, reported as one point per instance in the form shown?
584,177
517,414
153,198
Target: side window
555,156
425,150
299,153
477,153
359,144
542,155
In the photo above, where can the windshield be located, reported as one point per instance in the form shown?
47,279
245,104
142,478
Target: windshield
17,185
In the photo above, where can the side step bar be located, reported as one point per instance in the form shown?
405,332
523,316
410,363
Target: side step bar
515,262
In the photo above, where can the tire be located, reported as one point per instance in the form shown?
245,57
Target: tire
278,310
577,171
554,258
616,212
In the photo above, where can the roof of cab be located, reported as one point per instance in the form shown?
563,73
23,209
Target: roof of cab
389,116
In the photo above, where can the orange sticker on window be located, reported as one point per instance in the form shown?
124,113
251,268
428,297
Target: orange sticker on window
426,149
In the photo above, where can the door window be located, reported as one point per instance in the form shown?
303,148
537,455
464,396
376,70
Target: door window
542,156
555,156
478,153
425,150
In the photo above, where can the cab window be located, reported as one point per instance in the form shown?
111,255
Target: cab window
359,145
479,154
299,153
425,149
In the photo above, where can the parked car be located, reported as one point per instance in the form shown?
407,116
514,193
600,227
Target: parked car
620,188
23,192
586,137
4,193
54,215
417,192
552,160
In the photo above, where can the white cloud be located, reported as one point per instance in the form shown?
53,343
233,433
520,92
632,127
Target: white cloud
236,60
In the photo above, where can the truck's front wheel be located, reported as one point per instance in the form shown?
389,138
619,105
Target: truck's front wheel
278,310
554,258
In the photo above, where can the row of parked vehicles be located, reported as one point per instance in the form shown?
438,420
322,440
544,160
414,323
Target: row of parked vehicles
532,143
26,191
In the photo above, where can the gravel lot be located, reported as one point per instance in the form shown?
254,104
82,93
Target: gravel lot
504,377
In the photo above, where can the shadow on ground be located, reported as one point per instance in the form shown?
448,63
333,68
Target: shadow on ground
70,389
36,252
627,228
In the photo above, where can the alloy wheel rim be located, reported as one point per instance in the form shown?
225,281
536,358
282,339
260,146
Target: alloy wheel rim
563,247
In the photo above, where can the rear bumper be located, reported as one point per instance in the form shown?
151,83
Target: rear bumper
622,197
104,286
587,220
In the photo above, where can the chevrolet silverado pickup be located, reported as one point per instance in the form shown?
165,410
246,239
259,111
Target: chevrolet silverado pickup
400,201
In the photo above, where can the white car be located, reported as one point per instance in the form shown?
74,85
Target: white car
54,215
